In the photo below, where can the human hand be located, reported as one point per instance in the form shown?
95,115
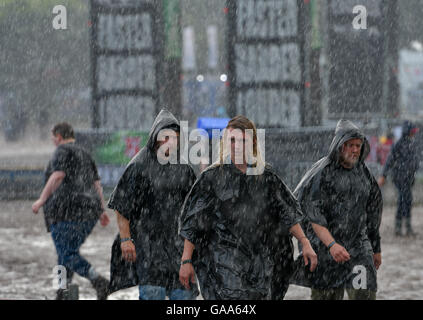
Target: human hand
128,251
186,274
339,253
309,256
377,259
104,219
381,181
37,205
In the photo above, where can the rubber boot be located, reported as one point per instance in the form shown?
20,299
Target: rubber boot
398,227
410,232
60,294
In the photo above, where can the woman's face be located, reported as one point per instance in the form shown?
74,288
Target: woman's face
241,144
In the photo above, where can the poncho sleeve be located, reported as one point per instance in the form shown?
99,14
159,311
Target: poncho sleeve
313,201
374,214
285,203
198,212
129,193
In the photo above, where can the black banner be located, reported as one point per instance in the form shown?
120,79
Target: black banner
125,63
265,41
357,58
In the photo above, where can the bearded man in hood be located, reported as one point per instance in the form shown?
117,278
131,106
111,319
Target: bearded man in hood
343,207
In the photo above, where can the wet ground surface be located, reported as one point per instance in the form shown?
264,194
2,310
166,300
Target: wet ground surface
27,258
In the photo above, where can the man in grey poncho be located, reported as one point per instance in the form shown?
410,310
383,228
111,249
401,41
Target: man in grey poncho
343,207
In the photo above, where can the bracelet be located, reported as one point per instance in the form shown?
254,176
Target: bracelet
126,239
331,244
186,261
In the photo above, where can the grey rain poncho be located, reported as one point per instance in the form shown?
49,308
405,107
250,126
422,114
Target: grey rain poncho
348,202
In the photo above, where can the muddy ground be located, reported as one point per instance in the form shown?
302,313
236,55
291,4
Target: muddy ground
27,258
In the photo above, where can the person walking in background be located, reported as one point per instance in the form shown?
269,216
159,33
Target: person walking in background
343,207
72,199
402,164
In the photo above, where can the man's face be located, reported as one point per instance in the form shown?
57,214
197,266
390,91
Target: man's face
241,144
170,138
350,152
57,139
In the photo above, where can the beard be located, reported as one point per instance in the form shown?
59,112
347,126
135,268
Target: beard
349,161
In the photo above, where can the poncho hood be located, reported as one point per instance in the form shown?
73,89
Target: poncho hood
345,131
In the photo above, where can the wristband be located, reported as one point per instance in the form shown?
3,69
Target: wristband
331,244
126,239
186,261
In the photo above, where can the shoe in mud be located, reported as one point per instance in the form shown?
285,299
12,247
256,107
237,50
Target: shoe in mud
101,286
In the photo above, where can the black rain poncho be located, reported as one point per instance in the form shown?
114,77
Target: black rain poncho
403,160
150,195
348,202
240,225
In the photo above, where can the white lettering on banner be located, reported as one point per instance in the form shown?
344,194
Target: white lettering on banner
125,61
127,112
116,73
270,106
266,19
117,32
122,3
344,7
267,63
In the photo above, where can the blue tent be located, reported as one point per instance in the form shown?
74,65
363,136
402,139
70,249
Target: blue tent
209,124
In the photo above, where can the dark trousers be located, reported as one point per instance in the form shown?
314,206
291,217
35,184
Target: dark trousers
68,237
338,294
405,200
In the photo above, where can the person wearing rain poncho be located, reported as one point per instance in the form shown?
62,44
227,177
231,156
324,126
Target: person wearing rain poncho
147,202
236,224
343,207
402,164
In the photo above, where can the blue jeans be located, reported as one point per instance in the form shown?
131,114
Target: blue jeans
68,237
148,292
